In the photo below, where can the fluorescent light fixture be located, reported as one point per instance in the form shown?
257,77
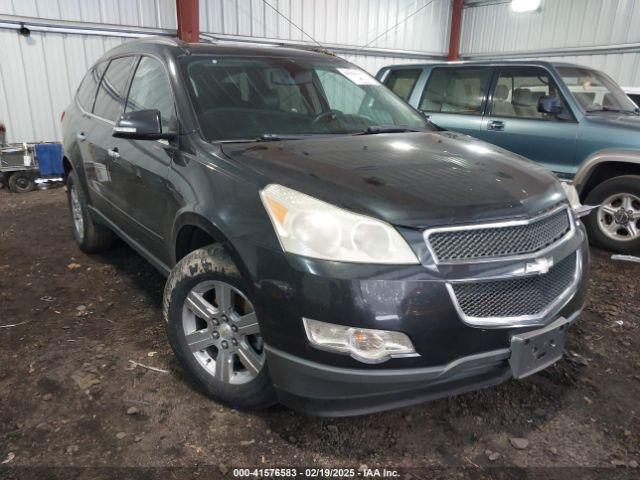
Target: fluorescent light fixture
521,6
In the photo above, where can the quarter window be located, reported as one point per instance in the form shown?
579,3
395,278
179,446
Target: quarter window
518,90
87,91
112,92
150,89
402,81
456,90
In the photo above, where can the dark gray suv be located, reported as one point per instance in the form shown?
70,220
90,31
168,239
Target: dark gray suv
325,245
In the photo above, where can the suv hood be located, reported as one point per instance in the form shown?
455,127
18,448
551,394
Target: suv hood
408,179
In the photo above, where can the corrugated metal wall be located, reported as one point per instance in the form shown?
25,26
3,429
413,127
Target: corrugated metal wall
559,25
39,73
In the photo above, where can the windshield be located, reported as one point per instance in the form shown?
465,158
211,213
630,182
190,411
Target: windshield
594,91
248,98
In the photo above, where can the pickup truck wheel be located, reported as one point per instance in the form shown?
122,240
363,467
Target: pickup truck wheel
22,182
90,236
615,224
214,331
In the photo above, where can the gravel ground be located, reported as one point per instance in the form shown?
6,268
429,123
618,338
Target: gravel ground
70,397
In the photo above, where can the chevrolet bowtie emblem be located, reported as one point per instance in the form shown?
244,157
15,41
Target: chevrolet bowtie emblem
539,265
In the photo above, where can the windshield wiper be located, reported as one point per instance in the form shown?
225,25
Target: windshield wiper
375,129
267,137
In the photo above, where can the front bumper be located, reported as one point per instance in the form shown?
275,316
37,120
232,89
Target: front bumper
453,356
331,391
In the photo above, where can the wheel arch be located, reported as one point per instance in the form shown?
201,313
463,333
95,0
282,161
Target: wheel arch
603,165
192,231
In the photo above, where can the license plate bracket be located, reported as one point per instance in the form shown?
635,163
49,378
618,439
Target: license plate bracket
538,349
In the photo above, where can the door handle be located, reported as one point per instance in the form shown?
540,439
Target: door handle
81,136
496,125
113,153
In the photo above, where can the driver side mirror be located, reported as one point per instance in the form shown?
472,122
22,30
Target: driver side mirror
141,125
550,104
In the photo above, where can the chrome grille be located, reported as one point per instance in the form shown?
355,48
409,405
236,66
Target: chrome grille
517,297
500,239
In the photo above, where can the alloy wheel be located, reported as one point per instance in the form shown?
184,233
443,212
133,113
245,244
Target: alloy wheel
221,330
619,217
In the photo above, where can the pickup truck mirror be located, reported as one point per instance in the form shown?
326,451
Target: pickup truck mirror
550,104
141,125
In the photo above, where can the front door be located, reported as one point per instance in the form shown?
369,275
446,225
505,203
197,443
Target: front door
455,97
144,164
514,123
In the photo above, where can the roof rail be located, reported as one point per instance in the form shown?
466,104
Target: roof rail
212,38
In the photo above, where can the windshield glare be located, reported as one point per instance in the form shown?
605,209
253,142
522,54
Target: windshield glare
594,91
244,98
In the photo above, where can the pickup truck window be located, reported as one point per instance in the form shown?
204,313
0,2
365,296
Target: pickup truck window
518,91
402,81
456,90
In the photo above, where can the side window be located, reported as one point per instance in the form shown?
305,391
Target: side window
150,89
456,90
87,90
518,90
402,81
111,94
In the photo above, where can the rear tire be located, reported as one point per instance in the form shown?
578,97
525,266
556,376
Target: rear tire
22,182
214,332
615,225
90,236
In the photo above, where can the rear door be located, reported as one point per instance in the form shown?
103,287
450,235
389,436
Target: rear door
108,106
513,121
85,127
454,98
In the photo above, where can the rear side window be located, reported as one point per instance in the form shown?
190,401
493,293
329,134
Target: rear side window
635,97
112,92
402,81
87,90
456,90
150,89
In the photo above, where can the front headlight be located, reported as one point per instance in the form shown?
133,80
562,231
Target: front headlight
313,228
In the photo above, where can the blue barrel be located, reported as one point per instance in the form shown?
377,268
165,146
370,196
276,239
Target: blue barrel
49,156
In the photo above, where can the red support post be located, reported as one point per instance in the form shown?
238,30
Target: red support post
456,27
188,20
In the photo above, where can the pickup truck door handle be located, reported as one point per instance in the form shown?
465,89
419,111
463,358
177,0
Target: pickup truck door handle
81,136
113,153
497,125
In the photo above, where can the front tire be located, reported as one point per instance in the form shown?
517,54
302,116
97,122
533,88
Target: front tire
90,236
615,224
214,332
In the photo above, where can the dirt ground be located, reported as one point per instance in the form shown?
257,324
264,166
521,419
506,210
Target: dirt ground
70,397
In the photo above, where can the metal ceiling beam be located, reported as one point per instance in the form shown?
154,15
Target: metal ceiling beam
188,15
456,29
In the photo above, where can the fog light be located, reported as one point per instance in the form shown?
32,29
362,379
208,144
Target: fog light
364,344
